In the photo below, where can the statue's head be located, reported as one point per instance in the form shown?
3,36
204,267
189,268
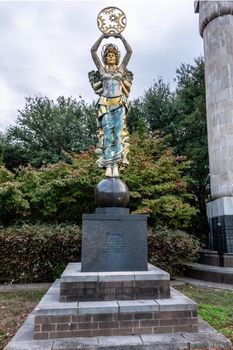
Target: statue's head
111,54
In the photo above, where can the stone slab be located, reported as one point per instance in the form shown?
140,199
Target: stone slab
77,343
114,242
126,306
125,342
163,341
177,302
73,272
98,307
50,304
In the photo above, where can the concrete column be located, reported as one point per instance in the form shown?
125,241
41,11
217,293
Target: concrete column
216,28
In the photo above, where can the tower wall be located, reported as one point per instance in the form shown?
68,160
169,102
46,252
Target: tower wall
216,28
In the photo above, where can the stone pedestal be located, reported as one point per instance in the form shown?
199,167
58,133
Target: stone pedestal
114,240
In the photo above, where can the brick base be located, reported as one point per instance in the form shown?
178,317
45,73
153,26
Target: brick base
123,285
116,290
52,327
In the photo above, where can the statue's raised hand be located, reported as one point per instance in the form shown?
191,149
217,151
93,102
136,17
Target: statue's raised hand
107,35
117,35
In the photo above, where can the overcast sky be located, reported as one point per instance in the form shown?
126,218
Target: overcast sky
45,46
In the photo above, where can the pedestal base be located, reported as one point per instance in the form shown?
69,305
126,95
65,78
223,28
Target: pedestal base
54,319
125,285
163,324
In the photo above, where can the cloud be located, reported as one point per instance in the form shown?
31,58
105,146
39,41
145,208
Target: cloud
45,46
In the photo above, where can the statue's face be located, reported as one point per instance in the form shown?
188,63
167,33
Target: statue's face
111,58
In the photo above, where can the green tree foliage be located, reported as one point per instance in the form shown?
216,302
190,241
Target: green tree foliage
190,132
180,118
45,130
62,192
157,108
12,154
156,182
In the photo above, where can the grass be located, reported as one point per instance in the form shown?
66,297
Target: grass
14,308
214,306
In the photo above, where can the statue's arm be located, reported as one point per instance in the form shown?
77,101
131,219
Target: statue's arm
128,49
94,54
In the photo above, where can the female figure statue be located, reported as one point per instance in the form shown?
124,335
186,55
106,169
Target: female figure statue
112,82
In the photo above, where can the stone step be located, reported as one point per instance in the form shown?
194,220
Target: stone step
123,285
209,273
207,338
55,319
211,257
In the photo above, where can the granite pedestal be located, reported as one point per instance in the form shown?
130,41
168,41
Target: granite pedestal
114,240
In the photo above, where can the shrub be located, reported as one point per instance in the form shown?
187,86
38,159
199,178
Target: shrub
158,187
37,253
168,249
63,192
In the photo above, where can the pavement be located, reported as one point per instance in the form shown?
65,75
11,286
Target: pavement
199,283
179,281
25,287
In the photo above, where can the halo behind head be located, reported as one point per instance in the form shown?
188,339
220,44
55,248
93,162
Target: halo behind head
110,48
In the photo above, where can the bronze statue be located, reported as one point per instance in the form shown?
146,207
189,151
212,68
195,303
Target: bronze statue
112,82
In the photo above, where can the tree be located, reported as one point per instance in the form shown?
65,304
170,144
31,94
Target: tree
62,192
45,130
157,108
190,132
180,118
12,154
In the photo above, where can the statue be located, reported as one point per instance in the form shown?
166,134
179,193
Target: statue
112,82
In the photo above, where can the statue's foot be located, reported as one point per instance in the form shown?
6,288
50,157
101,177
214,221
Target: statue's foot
115,171
108,171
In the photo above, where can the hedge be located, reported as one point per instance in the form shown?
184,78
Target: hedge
39,253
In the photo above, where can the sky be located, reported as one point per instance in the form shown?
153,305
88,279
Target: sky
45,47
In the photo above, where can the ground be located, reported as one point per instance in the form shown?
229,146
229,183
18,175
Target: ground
215,307
14,308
